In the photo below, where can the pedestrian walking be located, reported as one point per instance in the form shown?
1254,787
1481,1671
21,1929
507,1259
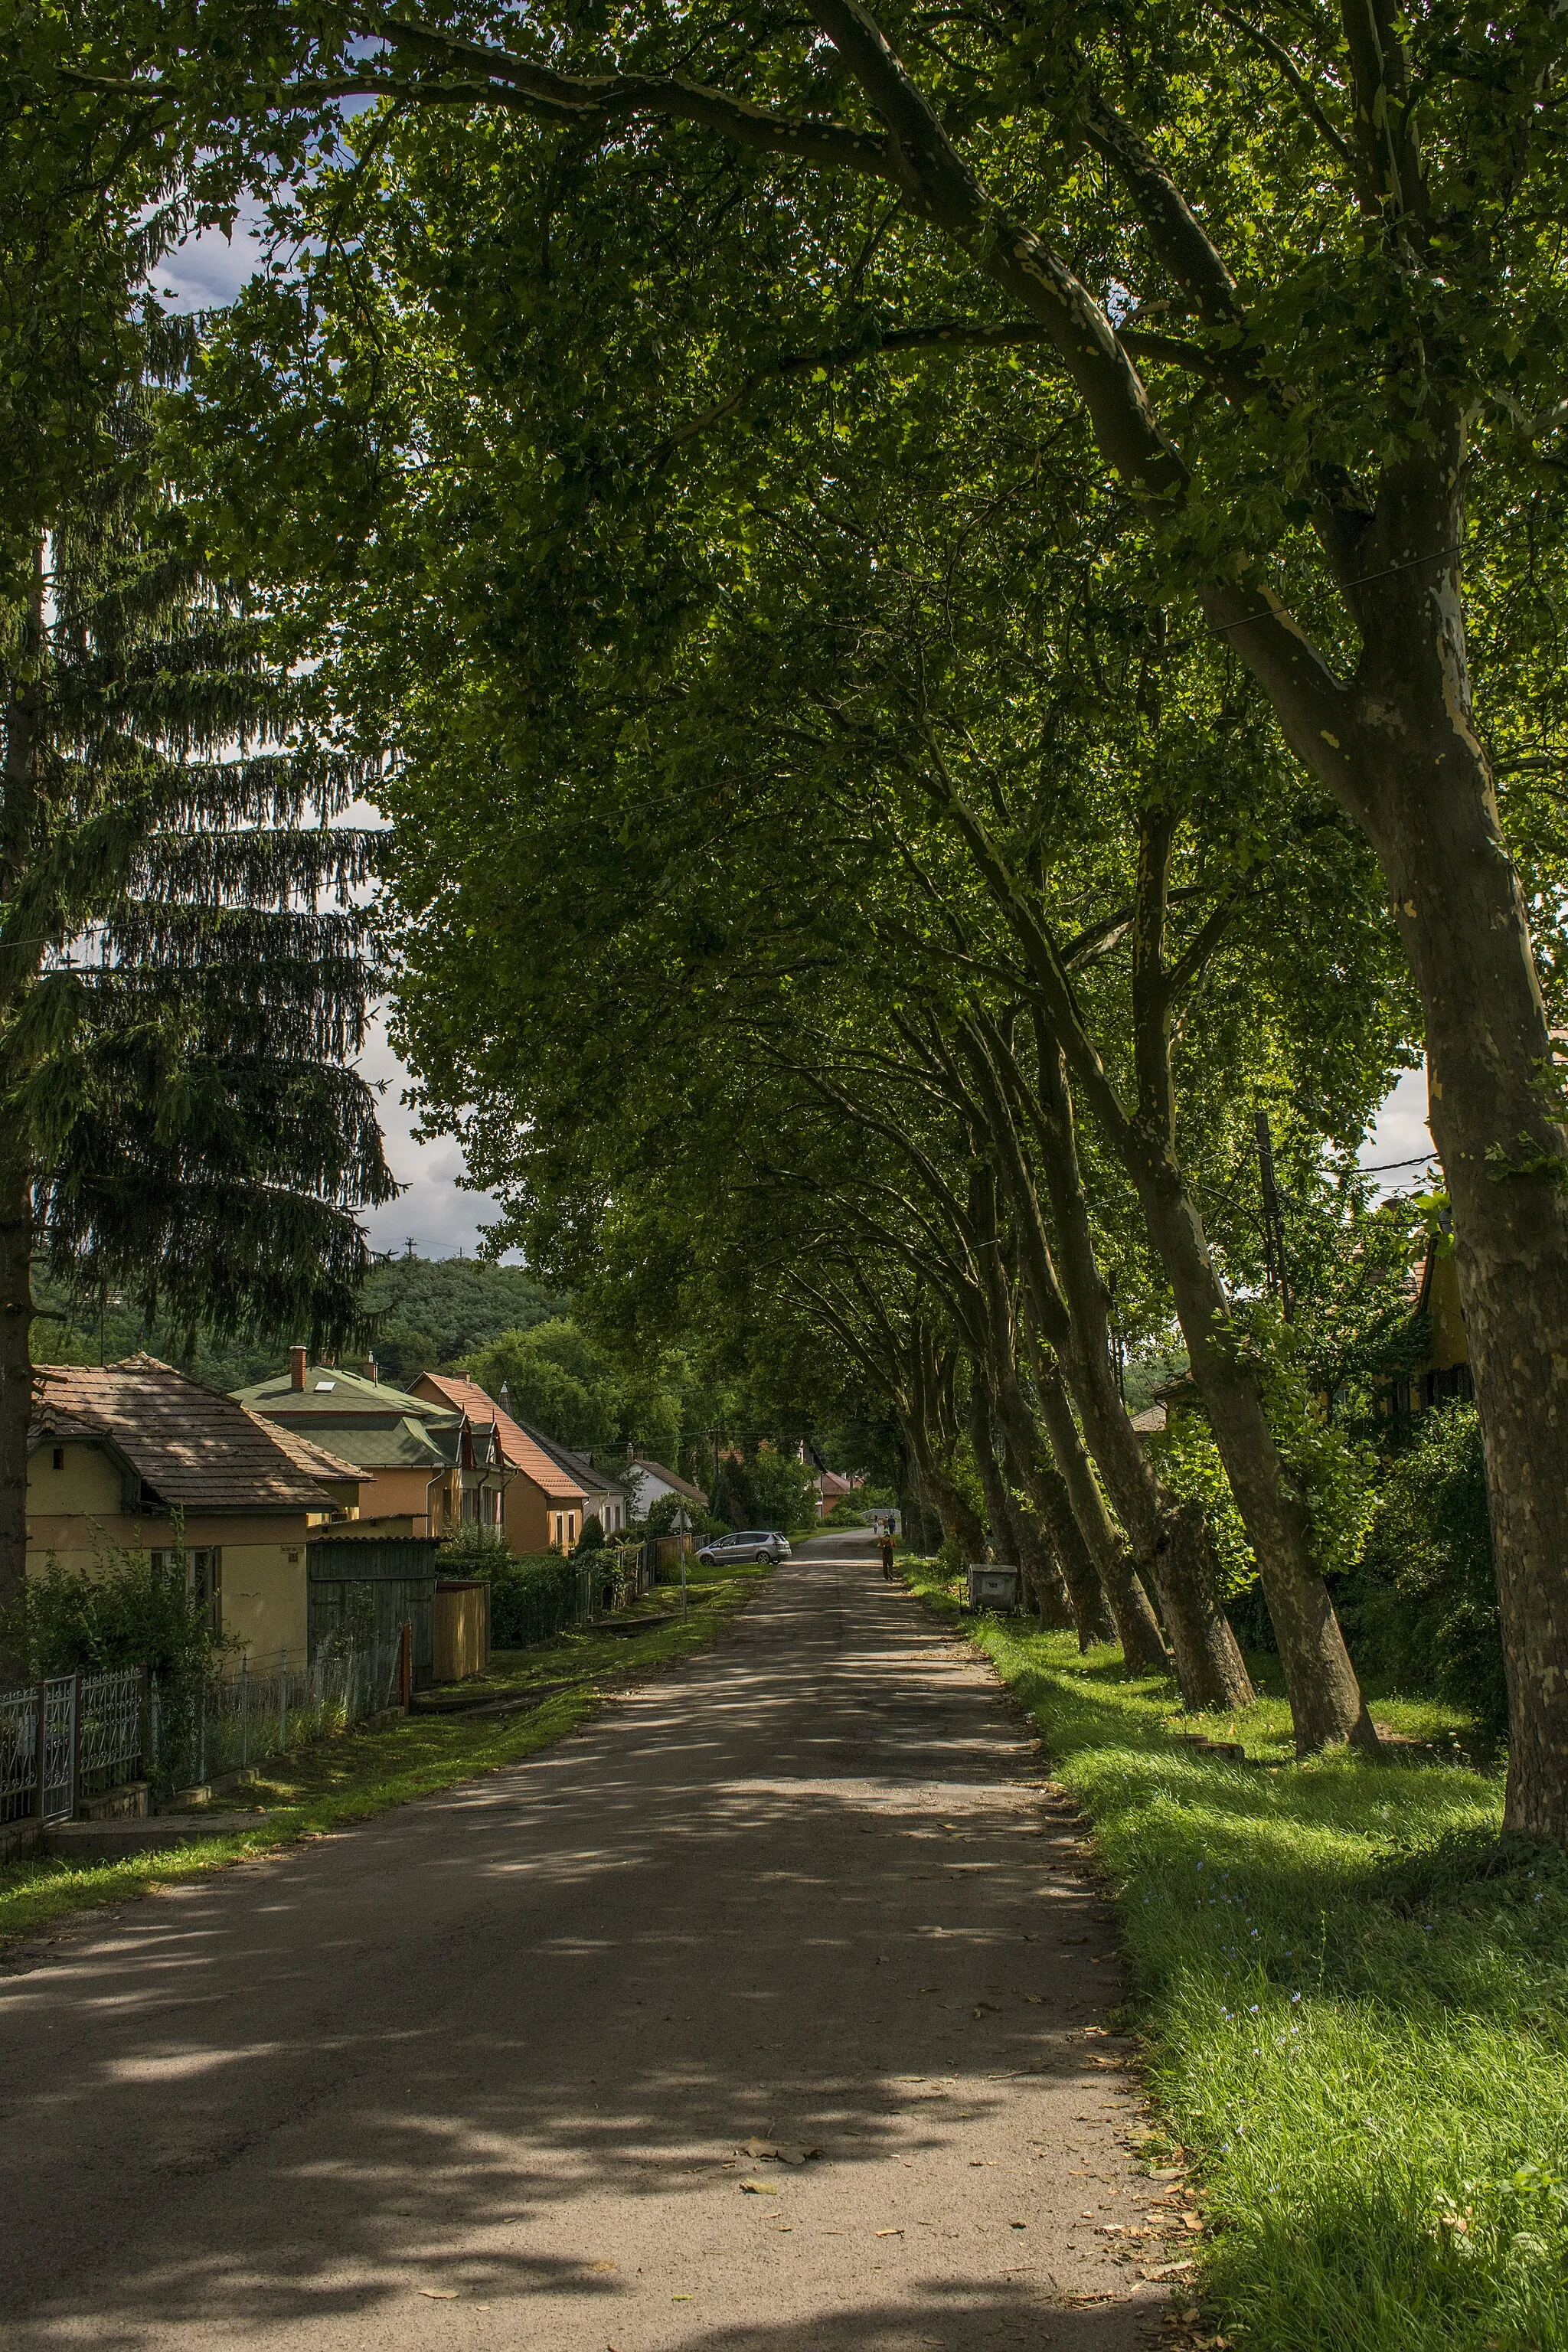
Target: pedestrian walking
885,1546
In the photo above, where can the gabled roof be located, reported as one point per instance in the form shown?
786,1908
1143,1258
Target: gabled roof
672,1479
312,1459
520,1448
336,1394
194,1449
581,1467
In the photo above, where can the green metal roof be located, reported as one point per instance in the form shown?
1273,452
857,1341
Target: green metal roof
330,1390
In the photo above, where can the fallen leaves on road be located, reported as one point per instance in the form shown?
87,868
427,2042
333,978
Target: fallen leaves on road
889,2234
758,2189
781,2151
440,2294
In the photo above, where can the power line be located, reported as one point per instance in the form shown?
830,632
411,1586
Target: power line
1388,1166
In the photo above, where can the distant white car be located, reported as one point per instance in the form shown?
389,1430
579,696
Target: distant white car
747,1543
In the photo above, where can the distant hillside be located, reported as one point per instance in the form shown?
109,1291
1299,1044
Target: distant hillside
432,1311
435,1310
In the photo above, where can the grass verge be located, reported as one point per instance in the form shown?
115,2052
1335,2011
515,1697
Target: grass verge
1353,1993
335,1782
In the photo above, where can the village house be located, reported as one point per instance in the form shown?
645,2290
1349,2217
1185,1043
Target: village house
1445,1370
604,1498
428,1468
546,1500
136,1457
647,1482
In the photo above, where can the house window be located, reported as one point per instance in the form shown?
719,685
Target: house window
571,1526
59,1457
203,1578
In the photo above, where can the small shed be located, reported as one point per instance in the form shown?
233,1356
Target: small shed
369,1586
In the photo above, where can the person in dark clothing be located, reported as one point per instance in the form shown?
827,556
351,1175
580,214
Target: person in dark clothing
885,1546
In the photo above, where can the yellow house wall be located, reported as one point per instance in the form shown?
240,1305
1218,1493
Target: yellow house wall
1449,1344
74,1516
528,1516
400,1494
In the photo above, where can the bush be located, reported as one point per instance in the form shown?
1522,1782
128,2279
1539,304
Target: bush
473,1551
771,1490
661,1520
1421,1606
125,1611
532,1598
592,1536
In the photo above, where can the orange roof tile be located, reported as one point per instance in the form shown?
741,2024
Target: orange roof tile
519,1449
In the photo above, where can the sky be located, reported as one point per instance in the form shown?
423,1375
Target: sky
433,1211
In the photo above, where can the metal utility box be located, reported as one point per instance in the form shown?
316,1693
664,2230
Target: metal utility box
993,1586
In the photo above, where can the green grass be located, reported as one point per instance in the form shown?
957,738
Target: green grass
1353,1993
334,1783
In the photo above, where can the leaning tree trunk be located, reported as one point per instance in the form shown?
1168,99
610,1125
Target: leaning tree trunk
999,1511
1170,1543
1044,1584
1171,1549
1047,1489
952,1505
15,1378
1326,1704
1137,1627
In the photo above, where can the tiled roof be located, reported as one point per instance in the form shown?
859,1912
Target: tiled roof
520,1447
580,1466
195,1449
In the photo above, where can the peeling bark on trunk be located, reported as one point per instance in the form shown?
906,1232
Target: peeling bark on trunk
1137,1627
1170,1540
1044,1583
1171,1553
1047,1489
1427,805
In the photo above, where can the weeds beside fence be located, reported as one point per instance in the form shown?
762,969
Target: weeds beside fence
72,1737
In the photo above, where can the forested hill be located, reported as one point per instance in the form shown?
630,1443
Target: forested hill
433,1310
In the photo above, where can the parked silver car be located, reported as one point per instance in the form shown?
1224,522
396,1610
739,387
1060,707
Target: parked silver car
747,1543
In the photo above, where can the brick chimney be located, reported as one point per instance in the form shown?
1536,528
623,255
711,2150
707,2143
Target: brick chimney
371,1370
296,1368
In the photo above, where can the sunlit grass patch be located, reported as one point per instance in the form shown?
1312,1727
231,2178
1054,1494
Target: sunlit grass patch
1354,1994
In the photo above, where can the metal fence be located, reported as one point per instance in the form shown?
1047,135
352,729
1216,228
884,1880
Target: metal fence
67,1738
73,1736
203,1730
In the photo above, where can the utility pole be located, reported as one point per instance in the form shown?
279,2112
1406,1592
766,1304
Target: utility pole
1273,1222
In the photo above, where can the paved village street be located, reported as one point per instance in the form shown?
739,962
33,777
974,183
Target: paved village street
482,2071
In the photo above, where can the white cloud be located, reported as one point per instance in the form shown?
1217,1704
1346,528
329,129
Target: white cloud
435,1213
1400,1133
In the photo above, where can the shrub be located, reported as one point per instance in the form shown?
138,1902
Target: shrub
1422,1604
771,1490
532,1598
125,1611
473,1551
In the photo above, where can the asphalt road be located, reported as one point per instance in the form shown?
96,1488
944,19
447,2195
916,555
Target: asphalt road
480,2073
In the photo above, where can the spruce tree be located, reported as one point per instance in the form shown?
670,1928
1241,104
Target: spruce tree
185,959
